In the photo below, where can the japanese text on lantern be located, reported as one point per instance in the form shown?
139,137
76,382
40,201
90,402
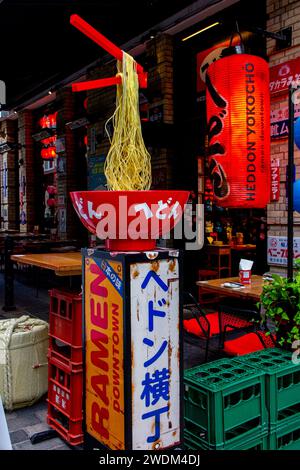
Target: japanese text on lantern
238,130
155,344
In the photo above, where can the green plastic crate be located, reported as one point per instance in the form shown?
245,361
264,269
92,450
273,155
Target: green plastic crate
257,443
282,383
286,437
224,401
189,445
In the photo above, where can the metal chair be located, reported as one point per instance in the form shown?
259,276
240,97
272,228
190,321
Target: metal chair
236,317
199,324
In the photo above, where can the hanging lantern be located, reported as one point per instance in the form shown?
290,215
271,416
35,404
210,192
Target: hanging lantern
238,117
52,119
44,153
48,153
43,122
51,202
52,152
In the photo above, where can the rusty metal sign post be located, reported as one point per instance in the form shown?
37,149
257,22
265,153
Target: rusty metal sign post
133,350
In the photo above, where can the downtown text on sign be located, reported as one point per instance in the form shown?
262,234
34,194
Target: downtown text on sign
104,352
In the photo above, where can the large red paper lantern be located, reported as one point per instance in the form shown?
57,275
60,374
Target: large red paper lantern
48,153
238,117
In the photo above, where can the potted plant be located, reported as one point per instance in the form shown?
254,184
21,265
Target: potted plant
280,300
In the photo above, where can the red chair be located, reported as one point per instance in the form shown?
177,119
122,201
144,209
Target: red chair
200,324
207,325
248,343
255,338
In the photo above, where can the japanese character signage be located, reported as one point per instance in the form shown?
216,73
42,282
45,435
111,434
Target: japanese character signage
283,75
275,179
277,250
104,351
238,123
280,122
207,57
155,354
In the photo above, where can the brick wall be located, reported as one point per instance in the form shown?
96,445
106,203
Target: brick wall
282,14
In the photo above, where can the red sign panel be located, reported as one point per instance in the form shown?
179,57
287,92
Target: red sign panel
275,180
283,75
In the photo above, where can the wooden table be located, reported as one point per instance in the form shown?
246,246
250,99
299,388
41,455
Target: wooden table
252,292
63,264
248,247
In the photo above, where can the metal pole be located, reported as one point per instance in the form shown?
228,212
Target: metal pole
290,188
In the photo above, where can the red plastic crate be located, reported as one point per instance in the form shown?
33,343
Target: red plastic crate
65,322
65,388
64,352
69,430
64,362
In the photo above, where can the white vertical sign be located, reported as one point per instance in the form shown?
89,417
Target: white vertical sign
155,354
2,93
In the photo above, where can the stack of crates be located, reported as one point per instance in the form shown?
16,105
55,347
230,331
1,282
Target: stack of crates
282,395
65,369
224,407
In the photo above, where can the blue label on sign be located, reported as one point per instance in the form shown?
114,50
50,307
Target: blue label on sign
111,275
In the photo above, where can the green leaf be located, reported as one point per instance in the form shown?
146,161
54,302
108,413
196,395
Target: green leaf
284,316
295,330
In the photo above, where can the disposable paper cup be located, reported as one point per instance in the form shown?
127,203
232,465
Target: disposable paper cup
245,276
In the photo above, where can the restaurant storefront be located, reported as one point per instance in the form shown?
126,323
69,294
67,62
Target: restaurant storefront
173,114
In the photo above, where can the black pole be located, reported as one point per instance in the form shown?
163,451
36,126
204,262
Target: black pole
290,188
